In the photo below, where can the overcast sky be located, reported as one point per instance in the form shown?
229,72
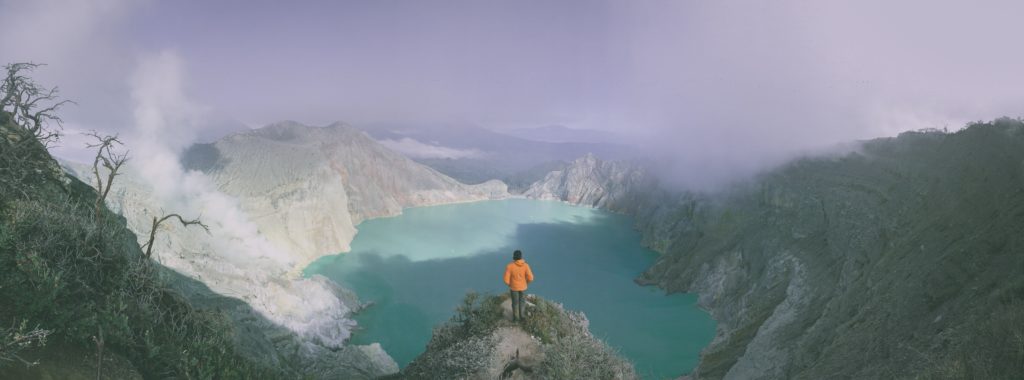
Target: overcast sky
711,82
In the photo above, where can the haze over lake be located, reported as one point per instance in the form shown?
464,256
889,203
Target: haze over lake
415,268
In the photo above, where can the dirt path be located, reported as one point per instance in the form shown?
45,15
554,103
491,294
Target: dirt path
516,354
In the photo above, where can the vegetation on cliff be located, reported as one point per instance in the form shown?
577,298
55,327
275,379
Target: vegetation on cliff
902,259
475,343
74,274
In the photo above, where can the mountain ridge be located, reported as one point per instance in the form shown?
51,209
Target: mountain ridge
876,264
305,201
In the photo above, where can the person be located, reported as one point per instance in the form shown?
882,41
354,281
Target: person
517,276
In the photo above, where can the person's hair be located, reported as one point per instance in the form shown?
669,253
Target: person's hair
517,255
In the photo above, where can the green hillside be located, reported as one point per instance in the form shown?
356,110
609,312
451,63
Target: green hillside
79,280
904,259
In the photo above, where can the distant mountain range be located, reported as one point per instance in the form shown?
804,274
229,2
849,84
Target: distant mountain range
473,155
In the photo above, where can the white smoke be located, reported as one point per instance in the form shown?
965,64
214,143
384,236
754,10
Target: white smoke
245,264
166,121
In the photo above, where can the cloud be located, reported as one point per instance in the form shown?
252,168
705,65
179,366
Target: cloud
727,88
85,51
415,149
165,123
718,90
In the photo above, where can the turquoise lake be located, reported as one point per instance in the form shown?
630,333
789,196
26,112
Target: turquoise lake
416,267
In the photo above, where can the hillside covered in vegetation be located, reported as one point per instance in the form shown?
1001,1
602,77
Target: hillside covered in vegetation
481,342
902,259
78,298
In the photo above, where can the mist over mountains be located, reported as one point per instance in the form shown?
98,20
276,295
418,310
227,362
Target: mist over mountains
473,154
840,183
713,86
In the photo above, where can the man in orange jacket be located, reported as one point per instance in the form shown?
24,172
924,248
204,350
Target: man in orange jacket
517,275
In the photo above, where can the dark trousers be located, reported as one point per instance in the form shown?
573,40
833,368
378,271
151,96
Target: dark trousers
518,304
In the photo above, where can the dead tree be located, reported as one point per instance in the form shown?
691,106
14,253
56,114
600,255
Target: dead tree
28,125
156,224
111,161
31,107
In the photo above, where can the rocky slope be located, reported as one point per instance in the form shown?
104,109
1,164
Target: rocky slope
307,187
611,185
620,187
482,342
80,298
304,189
882,263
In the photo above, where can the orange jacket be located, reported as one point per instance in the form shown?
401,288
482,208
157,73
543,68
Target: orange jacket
517,275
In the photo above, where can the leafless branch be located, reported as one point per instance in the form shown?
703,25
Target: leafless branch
25,101
18,338
156,224
110,160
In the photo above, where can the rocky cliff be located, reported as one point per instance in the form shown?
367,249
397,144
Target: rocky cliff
887,262
589,181
482,342
622,187
304,189
308,187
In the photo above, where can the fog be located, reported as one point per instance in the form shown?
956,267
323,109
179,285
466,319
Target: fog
716,90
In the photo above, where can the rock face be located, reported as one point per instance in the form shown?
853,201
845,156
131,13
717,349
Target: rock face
482,342
304,189
620,187
307,187
875,264
589,181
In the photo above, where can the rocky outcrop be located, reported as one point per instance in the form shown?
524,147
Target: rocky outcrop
610,185
621,187
874,264
304,189
482,342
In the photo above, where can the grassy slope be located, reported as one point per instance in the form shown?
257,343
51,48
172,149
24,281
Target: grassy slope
910,250
84,279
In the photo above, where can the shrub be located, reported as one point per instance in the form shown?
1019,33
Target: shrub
19,338
461,346
549,321
464,345
580,356
993,348
85,280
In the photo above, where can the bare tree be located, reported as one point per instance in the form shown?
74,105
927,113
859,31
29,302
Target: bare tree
110,160
28,125
156,224
32,107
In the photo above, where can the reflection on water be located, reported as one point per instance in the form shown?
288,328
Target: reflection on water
416,267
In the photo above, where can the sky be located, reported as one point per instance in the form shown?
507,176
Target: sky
716,86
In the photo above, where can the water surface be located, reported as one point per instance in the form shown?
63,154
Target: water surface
416,267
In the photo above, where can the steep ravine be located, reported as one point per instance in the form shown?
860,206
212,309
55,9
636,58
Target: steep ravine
887,262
